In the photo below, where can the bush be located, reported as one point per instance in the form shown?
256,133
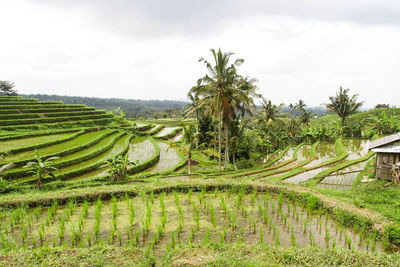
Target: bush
392,233
312,202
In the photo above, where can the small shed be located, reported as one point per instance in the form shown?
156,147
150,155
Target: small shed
388,156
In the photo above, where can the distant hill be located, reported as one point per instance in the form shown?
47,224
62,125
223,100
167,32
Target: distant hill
134,108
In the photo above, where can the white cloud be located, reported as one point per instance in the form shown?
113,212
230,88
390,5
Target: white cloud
294,52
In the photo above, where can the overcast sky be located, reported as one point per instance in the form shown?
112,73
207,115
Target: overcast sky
148,49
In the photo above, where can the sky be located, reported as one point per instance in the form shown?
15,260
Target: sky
303,49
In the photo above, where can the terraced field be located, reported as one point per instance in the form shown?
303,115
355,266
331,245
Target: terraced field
33,141
159,206
169,158
166,220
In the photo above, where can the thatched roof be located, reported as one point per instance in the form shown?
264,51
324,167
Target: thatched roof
384,141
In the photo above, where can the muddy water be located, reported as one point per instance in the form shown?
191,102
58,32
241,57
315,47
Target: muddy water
169,158
140,151
166,131
344,178
324,152
246,218
177,137
303,153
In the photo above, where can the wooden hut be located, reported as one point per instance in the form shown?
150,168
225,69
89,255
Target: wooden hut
388,156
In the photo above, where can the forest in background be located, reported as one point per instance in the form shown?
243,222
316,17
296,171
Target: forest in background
134,108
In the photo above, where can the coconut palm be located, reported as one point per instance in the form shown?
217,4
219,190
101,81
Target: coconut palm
189,138
269,112
300,106
344,105
41,167
216,88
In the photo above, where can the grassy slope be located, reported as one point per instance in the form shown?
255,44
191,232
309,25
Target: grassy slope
206,254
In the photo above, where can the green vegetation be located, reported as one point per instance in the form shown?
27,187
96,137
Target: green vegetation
229,183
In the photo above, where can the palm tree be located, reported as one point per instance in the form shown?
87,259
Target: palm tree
189,138
344,105
269,111
216,88
300,106
41,167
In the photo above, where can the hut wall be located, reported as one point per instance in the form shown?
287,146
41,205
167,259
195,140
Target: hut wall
384,165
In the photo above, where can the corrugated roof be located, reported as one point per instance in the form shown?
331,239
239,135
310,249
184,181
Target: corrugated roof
385,140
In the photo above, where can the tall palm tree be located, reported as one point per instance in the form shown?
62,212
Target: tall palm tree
269,112
189,138
216,88
344,105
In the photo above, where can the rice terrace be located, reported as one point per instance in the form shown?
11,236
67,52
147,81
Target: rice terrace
126,141
212,186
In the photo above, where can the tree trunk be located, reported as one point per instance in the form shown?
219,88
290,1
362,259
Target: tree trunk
343,121
197,129
233,156
39,182
219,141
226,147
189,160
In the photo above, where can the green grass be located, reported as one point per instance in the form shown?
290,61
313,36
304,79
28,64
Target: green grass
210,254
31,141
87,139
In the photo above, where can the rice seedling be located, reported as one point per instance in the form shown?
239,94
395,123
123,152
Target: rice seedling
191,235
114,223
136,239
261,235
33,241
89,239
172,240
189,195
61,228
253,198
223,204
212,215
280,201
207,235
334,243
196,216
85,209
373,246
293,238
244,211
241,239
119,238
152,197
327,234
37,212
114,207
367,242
131,214
254,224
23,234
71,207
305,225
180,227
96,230
127,199
277,241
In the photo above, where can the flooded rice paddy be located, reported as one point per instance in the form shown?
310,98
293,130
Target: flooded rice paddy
165,220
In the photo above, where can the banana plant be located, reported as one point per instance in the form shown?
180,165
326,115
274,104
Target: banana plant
189,141
41,167
4,182
118,167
